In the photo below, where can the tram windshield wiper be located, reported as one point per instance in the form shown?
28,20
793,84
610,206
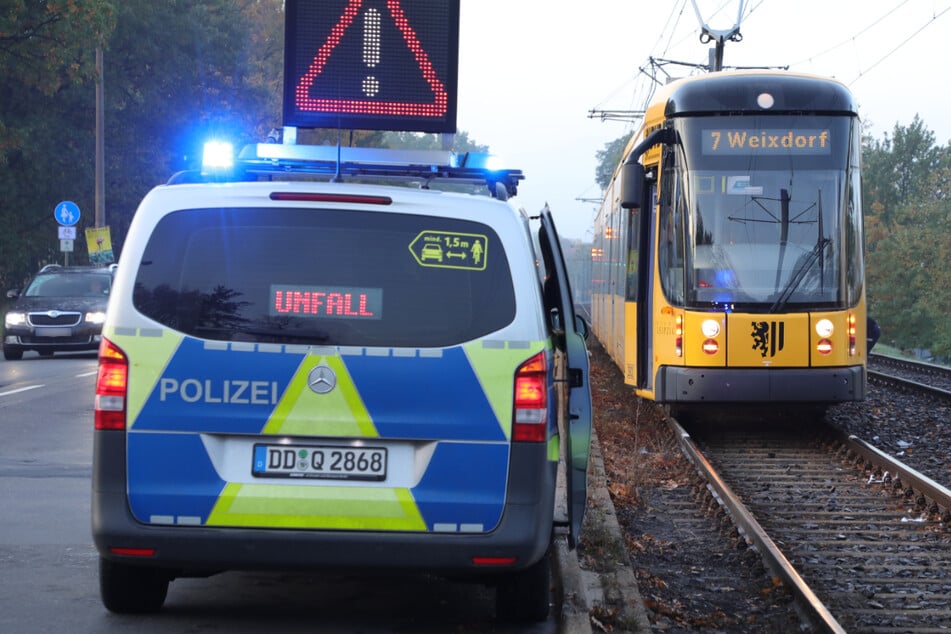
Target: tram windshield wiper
799,275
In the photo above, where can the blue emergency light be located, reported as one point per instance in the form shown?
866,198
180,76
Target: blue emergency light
217,158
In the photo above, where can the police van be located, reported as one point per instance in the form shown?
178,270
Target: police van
300,370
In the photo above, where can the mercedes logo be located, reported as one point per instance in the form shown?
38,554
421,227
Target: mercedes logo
322,379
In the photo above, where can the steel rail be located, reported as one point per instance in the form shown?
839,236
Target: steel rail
812,608
907,383
908,477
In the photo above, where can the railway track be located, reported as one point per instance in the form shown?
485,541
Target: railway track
923,377
863,541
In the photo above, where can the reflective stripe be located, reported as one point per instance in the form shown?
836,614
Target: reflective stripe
316,507
494,363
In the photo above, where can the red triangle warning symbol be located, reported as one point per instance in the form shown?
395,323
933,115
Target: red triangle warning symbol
306,102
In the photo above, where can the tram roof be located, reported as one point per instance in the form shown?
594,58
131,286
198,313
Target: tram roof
740,91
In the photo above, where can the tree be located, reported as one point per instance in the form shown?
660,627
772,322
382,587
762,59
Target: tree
177,74
44,46
908,218
896,168
608,159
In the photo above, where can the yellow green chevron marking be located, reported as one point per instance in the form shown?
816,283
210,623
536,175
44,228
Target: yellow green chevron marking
283,506
554,448
148,357
341,412
495,367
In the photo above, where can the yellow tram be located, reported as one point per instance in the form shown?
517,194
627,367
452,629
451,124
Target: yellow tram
728,257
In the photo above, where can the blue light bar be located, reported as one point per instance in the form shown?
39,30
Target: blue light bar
267,160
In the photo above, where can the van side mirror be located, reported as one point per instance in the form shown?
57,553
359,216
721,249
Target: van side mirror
632,185
581,327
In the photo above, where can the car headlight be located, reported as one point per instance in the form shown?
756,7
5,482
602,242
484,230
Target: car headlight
97,317
14,319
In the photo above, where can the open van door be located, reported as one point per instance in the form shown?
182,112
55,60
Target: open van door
573,330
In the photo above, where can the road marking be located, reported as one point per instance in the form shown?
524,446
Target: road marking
22,389
85,374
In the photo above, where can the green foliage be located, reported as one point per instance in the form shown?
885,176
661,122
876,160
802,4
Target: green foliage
178,73
908,237
47,66
45,45
608,160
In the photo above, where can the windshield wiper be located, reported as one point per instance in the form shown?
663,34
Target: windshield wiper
799,275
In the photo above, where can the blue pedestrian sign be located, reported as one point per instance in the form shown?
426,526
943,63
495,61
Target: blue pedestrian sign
66,213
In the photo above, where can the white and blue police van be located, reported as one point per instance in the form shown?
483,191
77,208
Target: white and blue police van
301,370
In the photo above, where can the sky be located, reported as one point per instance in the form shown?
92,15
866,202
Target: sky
532,71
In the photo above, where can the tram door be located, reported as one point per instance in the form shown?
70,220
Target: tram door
645,288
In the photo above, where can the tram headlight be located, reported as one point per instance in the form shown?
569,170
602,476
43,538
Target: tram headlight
710,328
824,328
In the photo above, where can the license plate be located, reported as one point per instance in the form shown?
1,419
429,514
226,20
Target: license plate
54,332
319,461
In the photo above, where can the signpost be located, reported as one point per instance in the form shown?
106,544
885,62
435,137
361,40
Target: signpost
66,213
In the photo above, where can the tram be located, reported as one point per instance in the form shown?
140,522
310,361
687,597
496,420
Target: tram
728,258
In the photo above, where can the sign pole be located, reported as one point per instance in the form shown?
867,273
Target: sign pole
100,135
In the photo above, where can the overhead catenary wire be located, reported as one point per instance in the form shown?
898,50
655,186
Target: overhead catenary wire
852,38
905,41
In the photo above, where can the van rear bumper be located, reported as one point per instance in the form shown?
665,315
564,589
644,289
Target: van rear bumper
524,532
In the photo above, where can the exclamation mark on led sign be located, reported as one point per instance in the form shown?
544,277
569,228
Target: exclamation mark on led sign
371,50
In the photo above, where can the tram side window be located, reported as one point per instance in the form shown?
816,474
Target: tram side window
633,221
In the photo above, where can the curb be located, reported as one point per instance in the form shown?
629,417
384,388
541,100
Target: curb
613,587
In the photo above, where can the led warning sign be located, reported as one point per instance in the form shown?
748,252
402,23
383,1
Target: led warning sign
329,302
371,64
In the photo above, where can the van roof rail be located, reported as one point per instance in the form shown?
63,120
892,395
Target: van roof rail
270,160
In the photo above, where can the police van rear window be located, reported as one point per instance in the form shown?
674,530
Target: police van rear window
325,277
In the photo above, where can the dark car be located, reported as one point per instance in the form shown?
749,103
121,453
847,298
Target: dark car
62,309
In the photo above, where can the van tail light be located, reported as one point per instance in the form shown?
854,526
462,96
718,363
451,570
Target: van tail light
112,385
531,400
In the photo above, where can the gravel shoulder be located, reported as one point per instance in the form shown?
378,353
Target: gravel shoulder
673,544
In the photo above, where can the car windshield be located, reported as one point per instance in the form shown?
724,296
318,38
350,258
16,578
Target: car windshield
69,285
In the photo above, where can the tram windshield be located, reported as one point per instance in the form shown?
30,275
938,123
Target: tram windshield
763,204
